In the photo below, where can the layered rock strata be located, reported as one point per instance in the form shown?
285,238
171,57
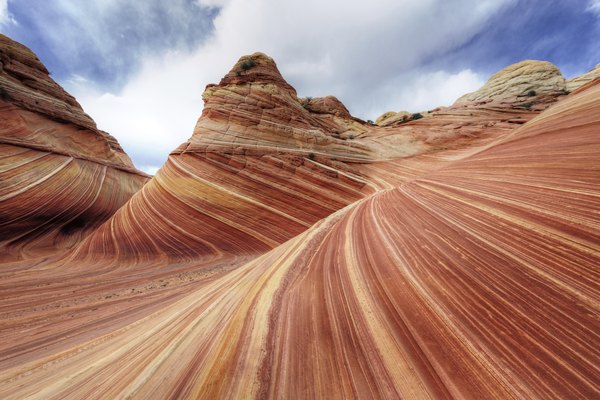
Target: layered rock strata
528,78
579,81
261,167
476,278
61,176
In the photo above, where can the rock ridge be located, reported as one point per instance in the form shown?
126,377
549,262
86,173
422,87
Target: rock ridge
61,176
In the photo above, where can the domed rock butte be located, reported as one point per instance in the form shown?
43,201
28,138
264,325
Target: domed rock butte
290,250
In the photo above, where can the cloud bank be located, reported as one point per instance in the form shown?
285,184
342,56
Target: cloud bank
365,54
3,11
139,68
5,17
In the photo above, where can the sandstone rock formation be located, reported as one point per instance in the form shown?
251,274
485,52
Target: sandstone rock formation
521,80
61,176
391,117
578,81
263,113
509,99
260,168
275,257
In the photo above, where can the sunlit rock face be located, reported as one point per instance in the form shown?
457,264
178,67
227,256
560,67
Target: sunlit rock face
61,176
290,250
263,165
254,111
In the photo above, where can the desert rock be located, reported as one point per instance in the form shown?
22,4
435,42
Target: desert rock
61,176
524,79
577,82
454,256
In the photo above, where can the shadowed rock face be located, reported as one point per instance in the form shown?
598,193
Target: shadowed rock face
61,177
275,257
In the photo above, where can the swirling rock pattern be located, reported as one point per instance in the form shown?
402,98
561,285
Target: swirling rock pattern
60,176
260,168
247,268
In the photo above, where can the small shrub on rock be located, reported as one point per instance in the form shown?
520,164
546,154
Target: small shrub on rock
247,64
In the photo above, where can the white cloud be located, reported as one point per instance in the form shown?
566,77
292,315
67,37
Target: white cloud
5,16
3,11
594,7
150,170
152,115
431,90
369,54
213,3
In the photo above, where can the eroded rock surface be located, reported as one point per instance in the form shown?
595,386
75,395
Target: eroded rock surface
61,176
261,167
579,81
528,78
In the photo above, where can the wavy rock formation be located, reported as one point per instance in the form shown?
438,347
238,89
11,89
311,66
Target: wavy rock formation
261,167
61,177
264,116
274,256
476,280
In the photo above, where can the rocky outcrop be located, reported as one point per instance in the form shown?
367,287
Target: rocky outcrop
25,84
579,81
61,176
261,167
517,82
254,111
391,117
509,99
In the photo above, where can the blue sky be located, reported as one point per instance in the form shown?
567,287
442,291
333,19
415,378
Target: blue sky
139,67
